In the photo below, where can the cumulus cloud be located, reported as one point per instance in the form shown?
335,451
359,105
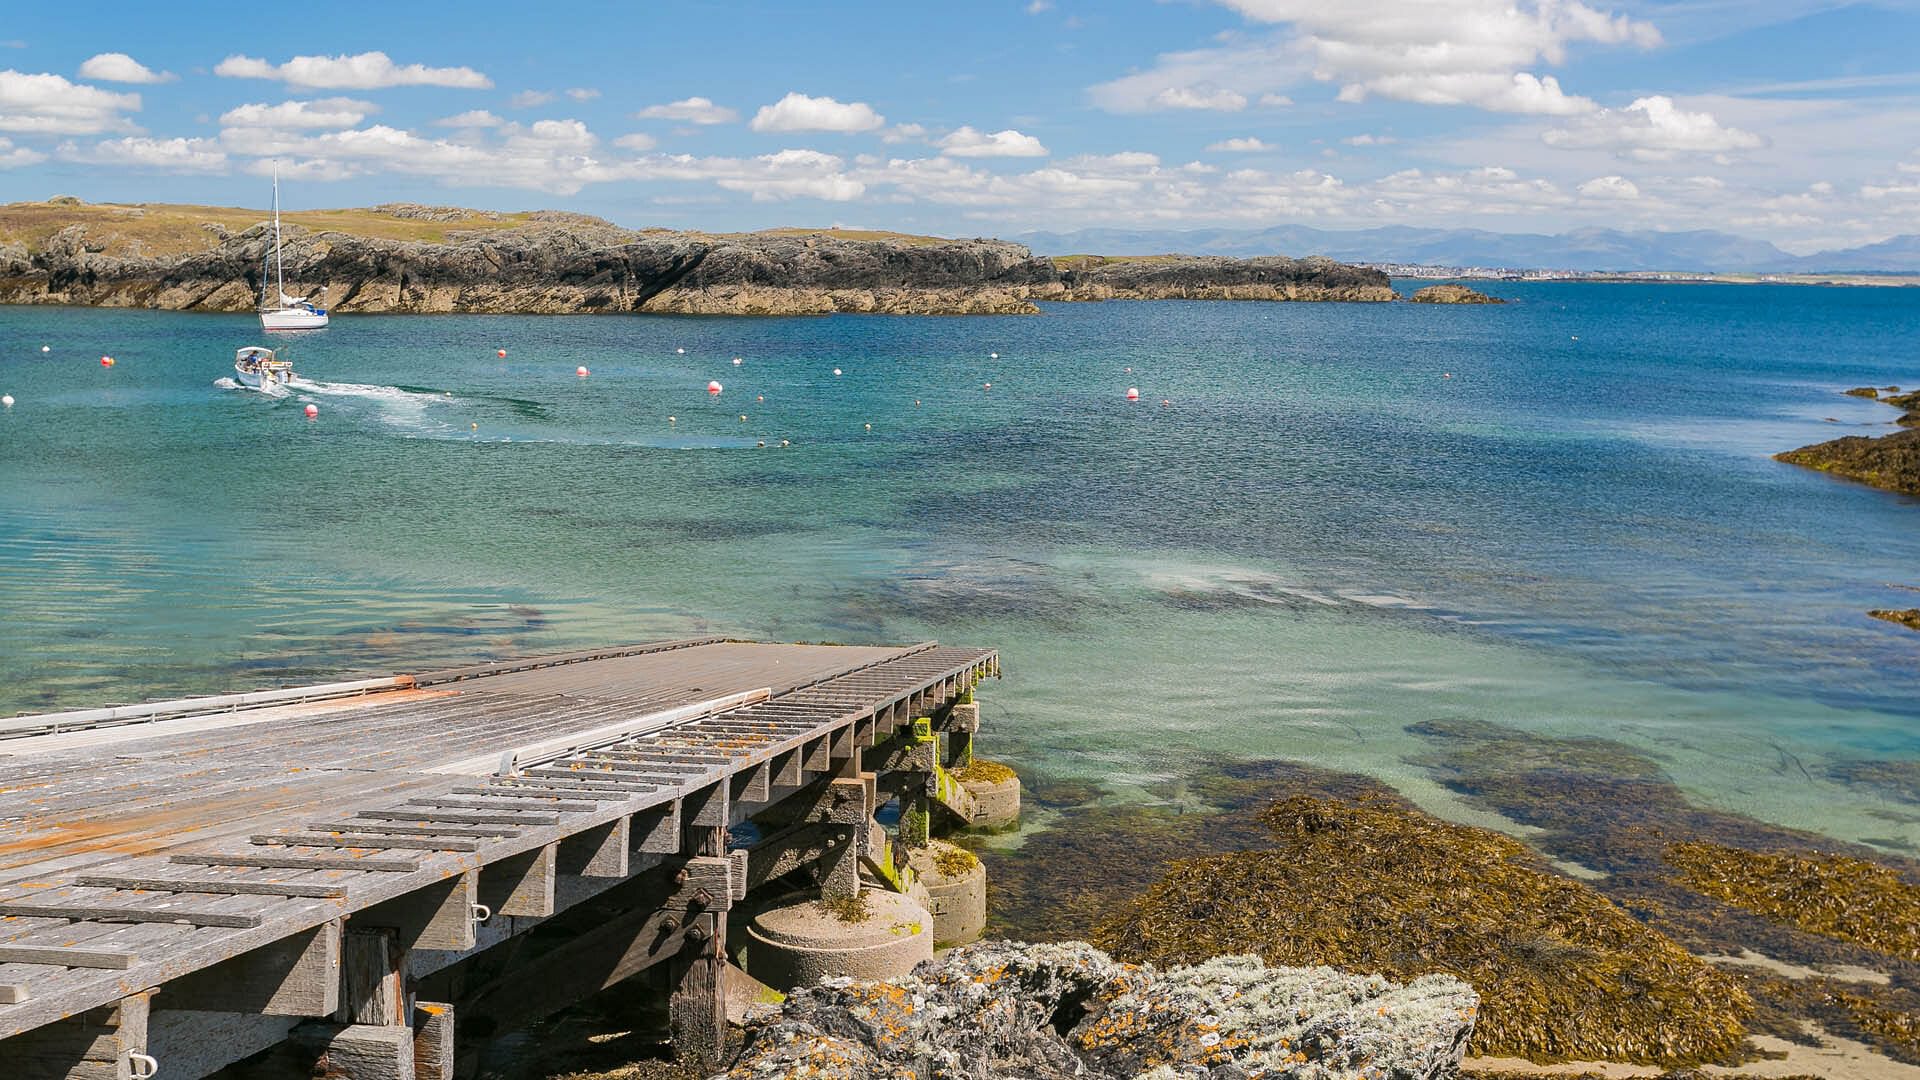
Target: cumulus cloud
582,93
900,133
1370,140
119,67
636,141
1188,97
798,112
472,118
551,155
1223,78
323,113
966,142
693,110
530,99
1472,52
1609,187
1653,129
47,104
364,71
16,157
151,155
1247,144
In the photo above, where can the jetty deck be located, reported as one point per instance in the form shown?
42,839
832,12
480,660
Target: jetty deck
212,855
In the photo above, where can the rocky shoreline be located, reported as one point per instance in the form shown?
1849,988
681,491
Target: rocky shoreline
404,258
1891,461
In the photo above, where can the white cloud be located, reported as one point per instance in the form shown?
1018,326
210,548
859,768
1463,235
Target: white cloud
16,157
364,71
966,142
1370,140
1248,144
1036,7
693,110
1653,129
148,154
1187,97
636,141
1224,78
582,93
900,133
530,99
472,118
323,113
798,112
1470,52
50,105
119,67
1609,187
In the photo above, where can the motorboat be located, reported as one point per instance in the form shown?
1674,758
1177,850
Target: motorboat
257,368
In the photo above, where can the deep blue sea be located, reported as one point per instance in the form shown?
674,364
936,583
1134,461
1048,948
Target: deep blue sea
1320,523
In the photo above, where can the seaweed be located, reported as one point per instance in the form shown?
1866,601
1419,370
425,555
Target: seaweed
982,771
1372,885
1833,895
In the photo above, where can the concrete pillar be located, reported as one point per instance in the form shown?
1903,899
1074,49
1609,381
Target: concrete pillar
956,892
797,941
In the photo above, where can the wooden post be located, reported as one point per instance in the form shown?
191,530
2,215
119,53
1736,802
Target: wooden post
371,1037
698,1005
432,1041
95,1045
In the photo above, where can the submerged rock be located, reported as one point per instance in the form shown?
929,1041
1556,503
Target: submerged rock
1041,1012
1453,294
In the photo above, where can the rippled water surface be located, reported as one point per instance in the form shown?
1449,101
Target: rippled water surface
1317,540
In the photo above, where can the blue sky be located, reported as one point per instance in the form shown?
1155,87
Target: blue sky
1791,120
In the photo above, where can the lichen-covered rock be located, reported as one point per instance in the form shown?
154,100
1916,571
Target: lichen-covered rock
1041,1012
1891,461
1453,294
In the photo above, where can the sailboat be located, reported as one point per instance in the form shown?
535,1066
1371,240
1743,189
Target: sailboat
278,311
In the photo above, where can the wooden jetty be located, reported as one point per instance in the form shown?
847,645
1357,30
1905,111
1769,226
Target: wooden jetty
329,872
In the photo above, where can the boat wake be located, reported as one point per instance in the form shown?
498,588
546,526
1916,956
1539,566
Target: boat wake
406,410
274,390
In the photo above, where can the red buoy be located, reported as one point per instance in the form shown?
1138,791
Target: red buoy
501,353
581,371
714,387
106,361
312,411
1133,393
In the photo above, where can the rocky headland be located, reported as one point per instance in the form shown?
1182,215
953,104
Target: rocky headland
423,259
1889,461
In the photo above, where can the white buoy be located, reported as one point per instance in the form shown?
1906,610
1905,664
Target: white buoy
736,361
682,352
1133,393
6,400
672,419
993,356
46,348
836,371
869,427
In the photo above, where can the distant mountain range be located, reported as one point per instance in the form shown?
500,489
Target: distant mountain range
1582,249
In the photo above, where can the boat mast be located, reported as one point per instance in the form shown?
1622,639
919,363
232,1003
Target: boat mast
279,267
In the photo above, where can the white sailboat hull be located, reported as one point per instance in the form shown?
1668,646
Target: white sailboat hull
292,319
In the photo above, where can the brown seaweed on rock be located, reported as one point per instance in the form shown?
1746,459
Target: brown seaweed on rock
1850,899
1370,885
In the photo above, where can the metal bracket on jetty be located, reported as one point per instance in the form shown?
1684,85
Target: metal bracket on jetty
370,880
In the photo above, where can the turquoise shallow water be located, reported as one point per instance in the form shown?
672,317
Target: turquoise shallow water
1321,538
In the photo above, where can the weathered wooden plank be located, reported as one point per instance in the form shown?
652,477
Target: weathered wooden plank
425,842
456,817
102,913
91,1046
504,802
384,864
359,1051
373,976
370,829
74,957
227,886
